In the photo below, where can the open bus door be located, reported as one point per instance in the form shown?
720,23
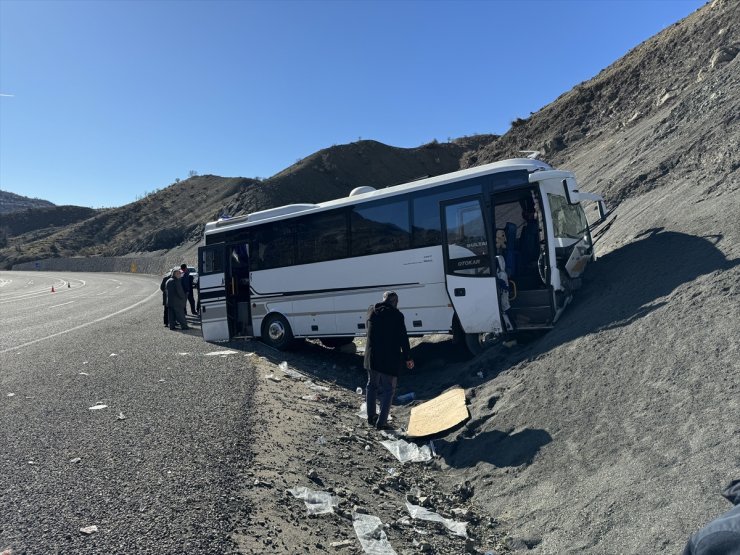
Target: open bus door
212,292
224,291
471,279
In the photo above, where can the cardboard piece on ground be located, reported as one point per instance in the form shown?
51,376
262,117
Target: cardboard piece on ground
439,414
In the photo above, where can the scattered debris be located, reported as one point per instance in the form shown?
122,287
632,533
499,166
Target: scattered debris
406,397
89,529
98,406
220,353
121,416
113,355
457,528
11,394
317,502
408,452
84,374
75,460
273,377
439,414
370,532
343,543
289,371
316,386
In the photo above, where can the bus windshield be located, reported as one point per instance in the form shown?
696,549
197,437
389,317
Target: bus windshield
568,220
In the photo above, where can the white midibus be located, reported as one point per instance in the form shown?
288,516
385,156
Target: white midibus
477,253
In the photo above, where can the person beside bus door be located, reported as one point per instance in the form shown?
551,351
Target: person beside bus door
176,300
386,350
162,288
187,286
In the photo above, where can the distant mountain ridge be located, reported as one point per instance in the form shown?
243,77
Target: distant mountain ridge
11,202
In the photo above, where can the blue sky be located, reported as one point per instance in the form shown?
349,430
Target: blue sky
102,101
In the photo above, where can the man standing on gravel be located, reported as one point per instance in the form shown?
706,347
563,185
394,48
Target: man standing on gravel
387,348
176,300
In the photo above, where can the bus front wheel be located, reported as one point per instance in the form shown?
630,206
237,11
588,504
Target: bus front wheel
276,332
476,343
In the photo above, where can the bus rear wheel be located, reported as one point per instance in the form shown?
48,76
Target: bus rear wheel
276,332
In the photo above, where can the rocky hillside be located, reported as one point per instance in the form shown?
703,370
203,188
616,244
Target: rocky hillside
41,221
10,202
616,431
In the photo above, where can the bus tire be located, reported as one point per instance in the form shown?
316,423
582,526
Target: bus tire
476,343
276,332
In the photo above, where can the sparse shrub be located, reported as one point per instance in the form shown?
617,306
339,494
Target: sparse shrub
518,122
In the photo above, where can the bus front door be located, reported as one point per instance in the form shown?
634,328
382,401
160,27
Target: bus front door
471,280
212,292
237,290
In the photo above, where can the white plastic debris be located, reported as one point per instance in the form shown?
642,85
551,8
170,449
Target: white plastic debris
84,374
113,355
121,416
89,529
183,354
75,460
99,406
311,397
317,387
273,377
359,390
220,353
457,528
369,530
289,371
408,452
342,543
317,502
11,394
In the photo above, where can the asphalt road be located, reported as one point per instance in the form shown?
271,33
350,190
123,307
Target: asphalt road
160,469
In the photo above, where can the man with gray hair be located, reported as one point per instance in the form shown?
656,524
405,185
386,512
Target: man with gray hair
387,350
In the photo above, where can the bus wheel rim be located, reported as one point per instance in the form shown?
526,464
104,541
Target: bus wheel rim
276,331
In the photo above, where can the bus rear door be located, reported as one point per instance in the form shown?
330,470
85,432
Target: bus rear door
471,281
212,292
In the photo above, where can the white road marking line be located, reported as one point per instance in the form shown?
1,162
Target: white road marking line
56,305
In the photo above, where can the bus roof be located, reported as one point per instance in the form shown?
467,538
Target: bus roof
372,194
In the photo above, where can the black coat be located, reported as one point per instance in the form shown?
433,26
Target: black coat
163,289
387,346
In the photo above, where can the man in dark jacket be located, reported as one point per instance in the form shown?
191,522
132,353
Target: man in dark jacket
176,300
386,350
188,285
722,535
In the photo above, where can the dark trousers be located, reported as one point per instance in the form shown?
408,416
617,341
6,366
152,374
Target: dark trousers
166,314
191,300
380,387
177,316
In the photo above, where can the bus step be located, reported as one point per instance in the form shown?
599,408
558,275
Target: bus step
532,298
531,316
